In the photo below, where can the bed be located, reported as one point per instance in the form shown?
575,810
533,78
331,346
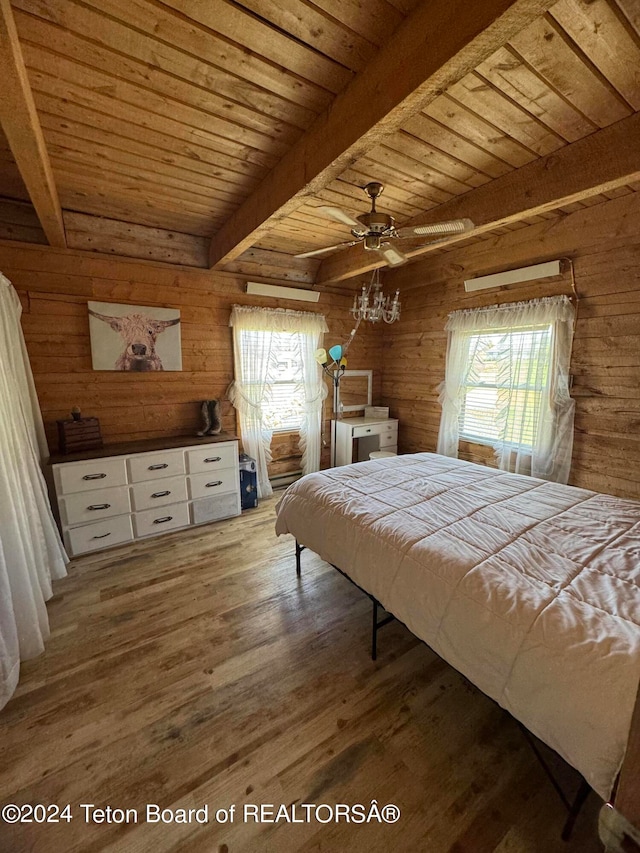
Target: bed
530,589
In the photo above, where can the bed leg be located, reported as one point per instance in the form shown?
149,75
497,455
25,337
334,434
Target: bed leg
375,625
578,801
374,631
299,550
583,792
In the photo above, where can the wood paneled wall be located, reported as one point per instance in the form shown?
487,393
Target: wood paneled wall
604,244
55,285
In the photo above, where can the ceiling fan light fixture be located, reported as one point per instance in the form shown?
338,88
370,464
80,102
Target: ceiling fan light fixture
373,227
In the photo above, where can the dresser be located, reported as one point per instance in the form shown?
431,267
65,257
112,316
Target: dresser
106,497
356,438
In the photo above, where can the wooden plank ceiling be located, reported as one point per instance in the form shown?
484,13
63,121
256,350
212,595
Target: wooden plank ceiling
163,118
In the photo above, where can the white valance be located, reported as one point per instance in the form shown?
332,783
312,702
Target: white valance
253,319
551,309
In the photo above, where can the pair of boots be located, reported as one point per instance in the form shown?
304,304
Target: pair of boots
211,423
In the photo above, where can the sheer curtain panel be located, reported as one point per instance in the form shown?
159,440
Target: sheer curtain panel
31,553
275,370
507,385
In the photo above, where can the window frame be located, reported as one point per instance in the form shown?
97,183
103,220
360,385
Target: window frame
514,330
293,382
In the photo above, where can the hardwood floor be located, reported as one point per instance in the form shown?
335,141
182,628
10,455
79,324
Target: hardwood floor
195,669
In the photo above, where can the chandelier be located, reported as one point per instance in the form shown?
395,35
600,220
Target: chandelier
371,303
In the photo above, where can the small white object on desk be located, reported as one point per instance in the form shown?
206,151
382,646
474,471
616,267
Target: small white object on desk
367,434
378,412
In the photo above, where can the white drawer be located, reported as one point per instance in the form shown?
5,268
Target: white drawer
92,474
388,437
213,509
101,534
214,483
92,506
150,466
154,521
213,456
168,490
364,431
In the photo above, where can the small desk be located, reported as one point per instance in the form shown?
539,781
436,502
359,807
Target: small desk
367,434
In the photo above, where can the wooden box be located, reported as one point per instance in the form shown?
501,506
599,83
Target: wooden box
83,434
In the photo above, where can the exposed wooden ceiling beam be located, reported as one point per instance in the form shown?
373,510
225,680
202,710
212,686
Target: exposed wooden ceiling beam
435,46
21,126
598,163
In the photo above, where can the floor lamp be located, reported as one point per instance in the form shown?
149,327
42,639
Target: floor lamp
334,364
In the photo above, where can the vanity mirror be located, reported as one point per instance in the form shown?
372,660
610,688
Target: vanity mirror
354,391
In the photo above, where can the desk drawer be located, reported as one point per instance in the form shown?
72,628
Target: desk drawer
92,506
102,534
92,474
384,428
152,466
154,521
364,431
214,483
389,436
168,490
212,457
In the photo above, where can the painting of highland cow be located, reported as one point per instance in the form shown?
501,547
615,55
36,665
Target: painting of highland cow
134,337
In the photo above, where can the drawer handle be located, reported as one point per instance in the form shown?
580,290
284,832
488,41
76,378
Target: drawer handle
213,483
99,506
158,467
163,519
368,430
94,476
103,535
214,459
161,494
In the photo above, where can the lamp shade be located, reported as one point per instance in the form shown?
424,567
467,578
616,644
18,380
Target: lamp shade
336,352
320,356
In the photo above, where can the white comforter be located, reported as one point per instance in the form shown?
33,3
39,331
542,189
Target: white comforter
530,589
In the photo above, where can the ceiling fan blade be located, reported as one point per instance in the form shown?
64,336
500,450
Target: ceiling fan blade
341,216
392,256
315,252
454,226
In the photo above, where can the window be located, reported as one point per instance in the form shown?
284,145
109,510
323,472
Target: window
507,385
278,383
283,402
506,362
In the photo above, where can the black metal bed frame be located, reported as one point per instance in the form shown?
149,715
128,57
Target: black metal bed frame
573,807
375,624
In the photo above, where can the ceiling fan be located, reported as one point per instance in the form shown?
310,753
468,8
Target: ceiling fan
372,229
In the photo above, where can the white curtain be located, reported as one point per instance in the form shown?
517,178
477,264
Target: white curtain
530,352
256,370
31,553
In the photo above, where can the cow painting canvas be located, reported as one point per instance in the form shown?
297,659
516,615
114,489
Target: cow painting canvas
136,338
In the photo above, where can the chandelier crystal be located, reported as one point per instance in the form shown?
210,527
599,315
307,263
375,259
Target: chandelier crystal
373,305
